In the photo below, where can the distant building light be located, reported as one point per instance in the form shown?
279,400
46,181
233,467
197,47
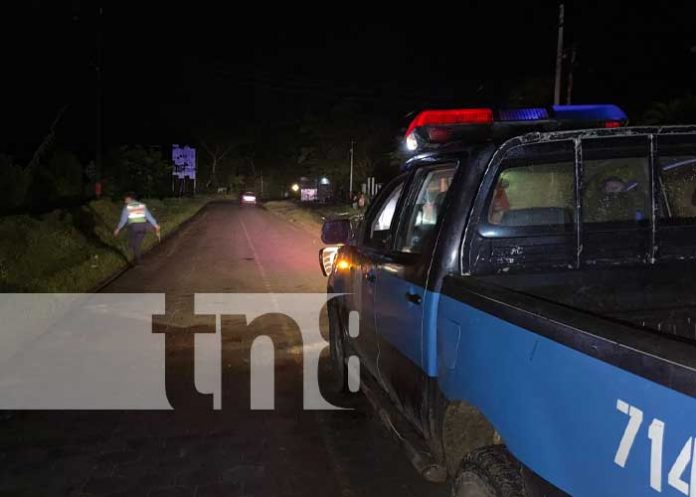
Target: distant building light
308,195
295,187
324,181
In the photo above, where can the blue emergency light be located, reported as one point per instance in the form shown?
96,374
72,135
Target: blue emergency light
586,113
532,114
442,126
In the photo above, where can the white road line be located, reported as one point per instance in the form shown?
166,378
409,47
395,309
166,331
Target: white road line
262,271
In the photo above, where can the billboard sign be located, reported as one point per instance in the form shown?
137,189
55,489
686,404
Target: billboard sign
308,194
184,159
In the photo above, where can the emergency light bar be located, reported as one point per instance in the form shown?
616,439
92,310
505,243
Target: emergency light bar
441,126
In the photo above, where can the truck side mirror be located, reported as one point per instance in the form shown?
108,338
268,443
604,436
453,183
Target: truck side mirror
335,231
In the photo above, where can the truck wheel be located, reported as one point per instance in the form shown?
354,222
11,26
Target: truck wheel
339,369
489,472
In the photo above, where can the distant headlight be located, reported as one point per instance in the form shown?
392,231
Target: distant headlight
249,198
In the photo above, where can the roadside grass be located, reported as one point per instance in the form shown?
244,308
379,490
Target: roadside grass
307,215
74,250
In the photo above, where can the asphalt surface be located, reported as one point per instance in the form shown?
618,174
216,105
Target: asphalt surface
234,451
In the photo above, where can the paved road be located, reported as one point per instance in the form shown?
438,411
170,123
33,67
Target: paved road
233,451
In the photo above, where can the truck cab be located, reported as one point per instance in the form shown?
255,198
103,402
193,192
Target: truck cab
526,302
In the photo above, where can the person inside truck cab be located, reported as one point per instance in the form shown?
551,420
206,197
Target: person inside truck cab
426,218
500,204
427,211
617,201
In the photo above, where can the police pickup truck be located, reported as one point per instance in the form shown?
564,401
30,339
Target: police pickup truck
522,302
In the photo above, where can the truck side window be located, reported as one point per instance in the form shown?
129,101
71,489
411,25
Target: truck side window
616,185
676,164
679,180
534,189
380,222
420,223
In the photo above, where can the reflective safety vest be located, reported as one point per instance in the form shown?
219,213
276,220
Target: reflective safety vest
136,213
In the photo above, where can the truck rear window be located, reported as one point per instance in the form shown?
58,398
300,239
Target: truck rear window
537,194
616,190
531,190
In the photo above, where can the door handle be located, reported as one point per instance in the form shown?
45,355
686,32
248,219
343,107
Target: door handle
414,298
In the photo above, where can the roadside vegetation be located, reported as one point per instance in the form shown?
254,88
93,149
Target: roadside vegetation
309,216
73,250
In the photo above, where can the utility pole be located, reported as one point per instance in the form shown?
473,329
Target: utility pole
98,69
571,66
559,57
350,186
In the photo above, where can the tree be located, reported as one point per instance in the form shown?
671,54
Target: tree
681,110
39,188
14,182
55,181
217,151
45,144
67,175
139,169
324,144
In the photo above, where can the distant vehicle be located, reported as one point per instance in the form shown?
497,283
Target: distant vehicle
526,303
248,198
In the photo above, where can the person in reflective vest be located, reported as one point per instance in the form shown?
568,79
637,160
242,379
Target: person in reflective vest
137,217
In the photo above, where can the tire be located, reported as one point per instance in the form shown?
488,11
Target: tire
339,369
489,472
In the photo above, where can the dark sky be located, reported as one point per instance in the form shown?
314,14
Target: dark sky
171,73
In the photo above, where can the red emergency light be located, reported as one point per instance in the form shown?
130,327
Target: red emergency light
613,124
451,116
438,121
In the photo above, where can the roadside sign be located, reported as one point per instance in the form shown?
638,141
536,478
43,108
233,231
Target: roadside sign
184,159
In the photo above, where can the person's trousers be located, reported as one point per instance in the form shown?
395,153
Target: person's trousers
136,234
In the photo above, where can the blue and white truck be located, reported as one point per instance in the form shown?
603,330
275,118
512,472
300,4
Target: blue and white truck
526,298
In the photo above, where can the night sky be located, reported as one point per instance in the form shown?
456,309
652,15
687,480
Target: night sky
171,72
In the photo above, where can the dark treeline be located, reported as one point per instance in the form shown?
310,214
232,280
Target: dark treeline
268,155
61,179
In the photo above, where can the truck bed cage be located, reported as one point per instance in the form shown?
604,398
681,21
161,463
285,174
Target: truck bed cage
577,136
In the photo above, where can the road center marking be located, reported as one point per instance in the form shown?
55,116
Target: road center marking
260,267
